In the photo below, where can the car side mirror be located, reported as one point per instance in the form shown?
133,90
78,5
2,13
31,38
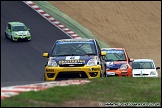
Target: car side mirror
103,53
45,55
28,28
157,67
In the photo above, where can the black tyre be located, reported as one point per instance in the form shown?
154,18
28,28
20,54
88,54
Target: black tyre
103,71
28,40
12,39
44,78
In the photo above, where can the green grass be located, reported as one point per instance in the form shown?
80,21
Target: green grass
111,89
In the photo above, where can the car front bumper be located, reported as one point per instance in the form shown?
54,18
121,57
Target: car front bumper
119,72
17,38
135,75
51,73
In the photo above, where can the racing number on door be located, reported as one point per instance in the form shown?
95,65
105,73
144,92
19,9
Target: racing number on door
72,57
110,63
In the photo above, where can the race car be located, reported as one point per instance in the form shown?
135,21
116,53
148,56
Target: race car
144,68
117,62
17,31
74,58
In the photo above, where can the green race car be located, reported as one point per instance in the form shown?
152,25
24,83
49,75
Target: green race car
17,31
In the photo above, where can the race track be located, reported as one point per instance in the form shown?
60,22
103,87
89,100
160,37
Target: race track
22,62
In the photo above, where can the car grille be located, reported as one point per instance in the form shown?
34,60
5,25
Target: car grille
68,74
72,65
124,72
22,35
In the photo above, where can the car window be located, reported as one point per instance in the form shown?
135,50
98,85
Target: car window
143,65
115,55
147,65
19,28
136,65
74,48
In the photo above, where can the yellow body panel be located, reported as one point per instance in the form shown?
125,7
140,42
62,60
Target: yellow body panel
45,54
86,69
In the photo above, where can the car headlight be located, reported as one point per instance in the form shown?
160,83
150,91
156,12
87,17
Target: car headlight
28,33
92,62
52,63
123,67
15,33
107,68
152,73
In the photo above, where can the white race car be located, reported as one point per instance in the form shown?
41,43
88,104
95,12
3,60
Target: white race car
144,68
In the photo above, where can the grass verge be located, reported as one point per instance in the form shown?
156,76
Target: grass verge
111,89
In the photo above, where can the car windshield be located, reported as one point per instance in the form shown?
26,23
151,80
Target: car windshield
64,48
19,28
114,55
143,65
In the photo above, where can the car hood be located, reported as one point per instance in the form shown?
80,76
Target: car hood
143,71
21,32
73,59
114,64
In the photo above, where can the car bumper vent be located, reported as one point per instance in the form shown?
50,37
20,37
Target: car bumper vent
67,74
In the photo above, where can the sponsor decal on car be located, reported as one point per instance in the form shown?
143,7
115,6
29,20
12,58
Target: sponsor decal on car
95,69
71,61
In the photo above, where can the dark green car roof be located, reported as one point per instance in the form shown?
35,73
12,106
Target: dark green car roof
16,23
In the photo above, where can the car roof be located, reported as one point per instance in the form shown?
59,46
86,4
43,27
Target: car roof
80,39
143,60
112,49
17,23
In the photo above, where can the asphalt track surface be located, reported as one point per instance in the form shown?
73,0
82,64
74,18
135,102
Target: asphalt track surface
22,62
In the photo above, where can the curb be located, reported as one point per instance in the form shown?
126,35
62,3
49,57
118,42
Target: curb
63,28
15,90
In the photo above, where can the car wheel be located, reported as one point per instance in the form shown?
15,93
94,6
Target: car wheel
103,72
12,39
45,78
103,69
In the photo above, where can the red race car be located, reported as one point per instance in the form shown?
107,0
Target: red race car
117,62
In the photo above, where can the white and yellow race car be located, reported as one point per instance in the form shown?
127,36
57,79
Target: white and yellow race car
74,58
